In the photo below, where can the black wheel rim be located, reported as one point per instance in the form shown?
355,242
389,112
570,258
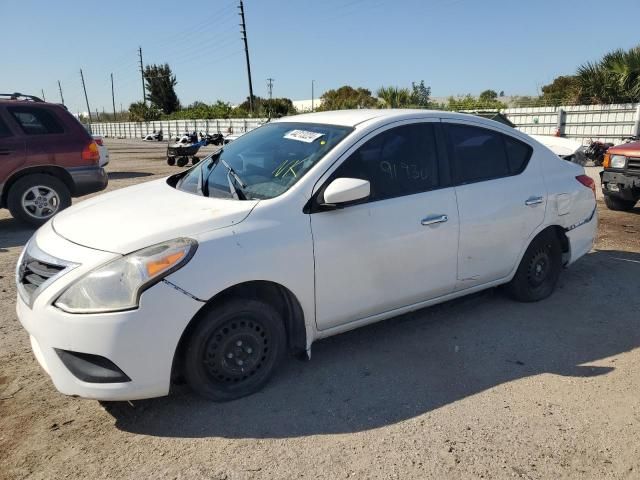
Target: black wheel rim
539,267
236,351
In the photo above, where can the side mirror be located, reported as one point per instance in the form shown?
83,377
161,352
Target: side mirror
346,190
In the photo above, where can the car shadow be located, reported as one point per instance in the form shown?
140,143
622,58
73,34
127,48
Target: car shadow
415,363
13,233
125,175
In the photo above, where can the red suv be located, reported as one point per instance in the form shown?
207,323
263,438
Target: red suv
46,157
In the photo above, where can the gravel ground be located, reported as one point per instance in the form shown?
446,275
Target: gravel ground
481,387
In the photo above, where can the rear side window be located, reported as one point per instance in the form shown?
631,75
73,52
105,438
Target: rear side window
4,130
400,161
518,154
481,154
36,121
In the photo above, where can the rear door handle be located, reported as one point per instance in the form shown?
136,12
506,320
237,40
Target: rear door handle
529,202
432,220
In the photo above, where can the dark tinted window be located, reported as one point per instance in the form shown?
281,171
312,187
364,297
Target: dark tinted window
398,162
36,121
478,153
518,154
4,130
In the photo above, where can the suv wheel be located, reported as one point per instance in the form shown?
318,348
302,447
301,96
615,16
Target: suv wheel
618,203
34,199
538,271
234,350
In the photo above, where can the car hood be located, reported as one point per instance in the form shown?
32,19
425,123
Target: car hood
629,149
135,217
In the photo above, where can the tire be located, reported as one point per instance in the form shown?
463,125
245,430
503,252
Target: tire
182,161
619,204
36,198
194,160
234,350
539,269
171,161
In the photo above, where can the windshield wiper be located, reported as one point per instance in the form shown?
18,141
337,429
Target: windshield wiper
204,181
237,193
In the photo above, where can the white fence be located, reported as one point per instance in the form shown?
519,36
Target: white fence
609,123
171,128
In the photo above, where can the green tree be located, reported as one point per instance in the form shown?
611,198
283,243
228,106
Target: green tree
160,84
420,94
347,97
488,96
395,97
140,112
469,102
563,90
613,79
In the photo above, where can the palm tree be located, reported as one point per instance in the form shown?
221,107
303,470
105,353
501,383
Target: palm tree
395,97
613,79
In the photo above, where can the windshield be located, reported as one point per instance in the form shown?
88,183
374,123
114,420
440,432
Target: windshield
264,162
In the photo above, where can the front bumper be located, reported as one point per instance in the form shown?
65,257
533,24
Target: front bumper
88,180
140,342
621,185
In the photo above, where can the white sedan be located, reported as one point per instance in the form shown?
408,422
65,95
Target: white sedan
301,229
104,151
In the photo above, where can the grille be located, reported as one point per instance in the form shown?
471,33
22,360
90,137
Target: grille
34,274
633,164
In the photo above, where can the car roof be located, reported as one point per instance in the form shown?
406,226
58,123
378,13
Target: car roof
352,118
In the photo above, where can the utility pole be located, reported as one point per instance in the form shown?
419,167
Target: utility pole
270,87
144,93
84,87
113,100
312,99
43,97
60,88
246,52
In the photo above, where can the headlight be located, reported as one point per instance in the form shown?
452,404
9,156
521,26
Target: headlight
118,284
617,161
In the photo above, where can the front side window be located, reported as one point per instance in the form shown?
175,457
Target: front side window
263,163
481,154
400,161
36,121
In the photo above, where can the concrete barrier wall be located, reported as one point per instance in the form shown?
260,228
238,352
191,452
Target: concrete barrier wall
171,128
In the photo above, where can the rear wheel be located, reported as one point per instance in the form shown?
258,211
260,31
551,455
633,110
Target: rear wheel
34,199
538,271
234,350
619,204
171,161
182,161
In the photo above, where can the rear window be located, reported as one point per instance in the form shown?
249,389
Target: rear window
36,121
4,130
518,154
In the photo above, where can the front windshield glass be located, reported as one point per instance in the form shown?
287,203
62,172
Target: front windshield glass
264,162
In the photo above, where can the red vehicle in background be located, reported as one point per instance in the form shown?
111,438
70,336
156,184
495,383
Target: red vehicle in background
621,176
46,158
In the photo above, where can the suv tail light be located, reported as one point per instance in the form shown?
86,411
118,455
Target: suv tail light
99,141
588,182
90,153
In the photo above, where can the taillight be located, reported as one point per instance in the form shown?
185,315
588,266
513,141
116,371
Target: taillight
607,160
90,153
99,141
588,182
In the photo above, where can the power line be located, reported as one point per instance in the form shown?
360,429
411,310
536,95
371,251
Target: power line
60,88
246,52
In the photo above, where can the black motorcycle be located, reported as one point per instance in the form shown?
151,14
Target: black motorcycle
595,151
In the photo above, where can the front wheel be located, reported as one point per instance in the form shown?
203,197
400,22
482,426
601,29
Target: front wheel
538,271
234,350
36,198
618,204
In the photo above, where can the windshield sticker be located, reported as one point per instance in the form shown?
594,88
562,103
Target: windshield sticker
303,136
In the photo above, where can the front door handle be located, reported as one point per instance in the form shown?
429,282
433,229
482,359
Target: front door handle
434,219
529,202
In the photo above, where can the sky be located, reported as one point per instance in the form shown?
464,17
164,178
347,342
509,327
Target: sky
455,46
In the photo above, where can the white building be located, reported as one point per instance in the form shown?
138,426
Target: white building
307,105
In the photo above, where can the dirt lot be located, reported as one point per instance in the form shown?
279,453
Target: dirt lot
482,387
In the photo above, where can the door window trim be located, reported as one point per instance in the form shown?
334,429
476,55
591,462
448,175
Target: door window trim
444,175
